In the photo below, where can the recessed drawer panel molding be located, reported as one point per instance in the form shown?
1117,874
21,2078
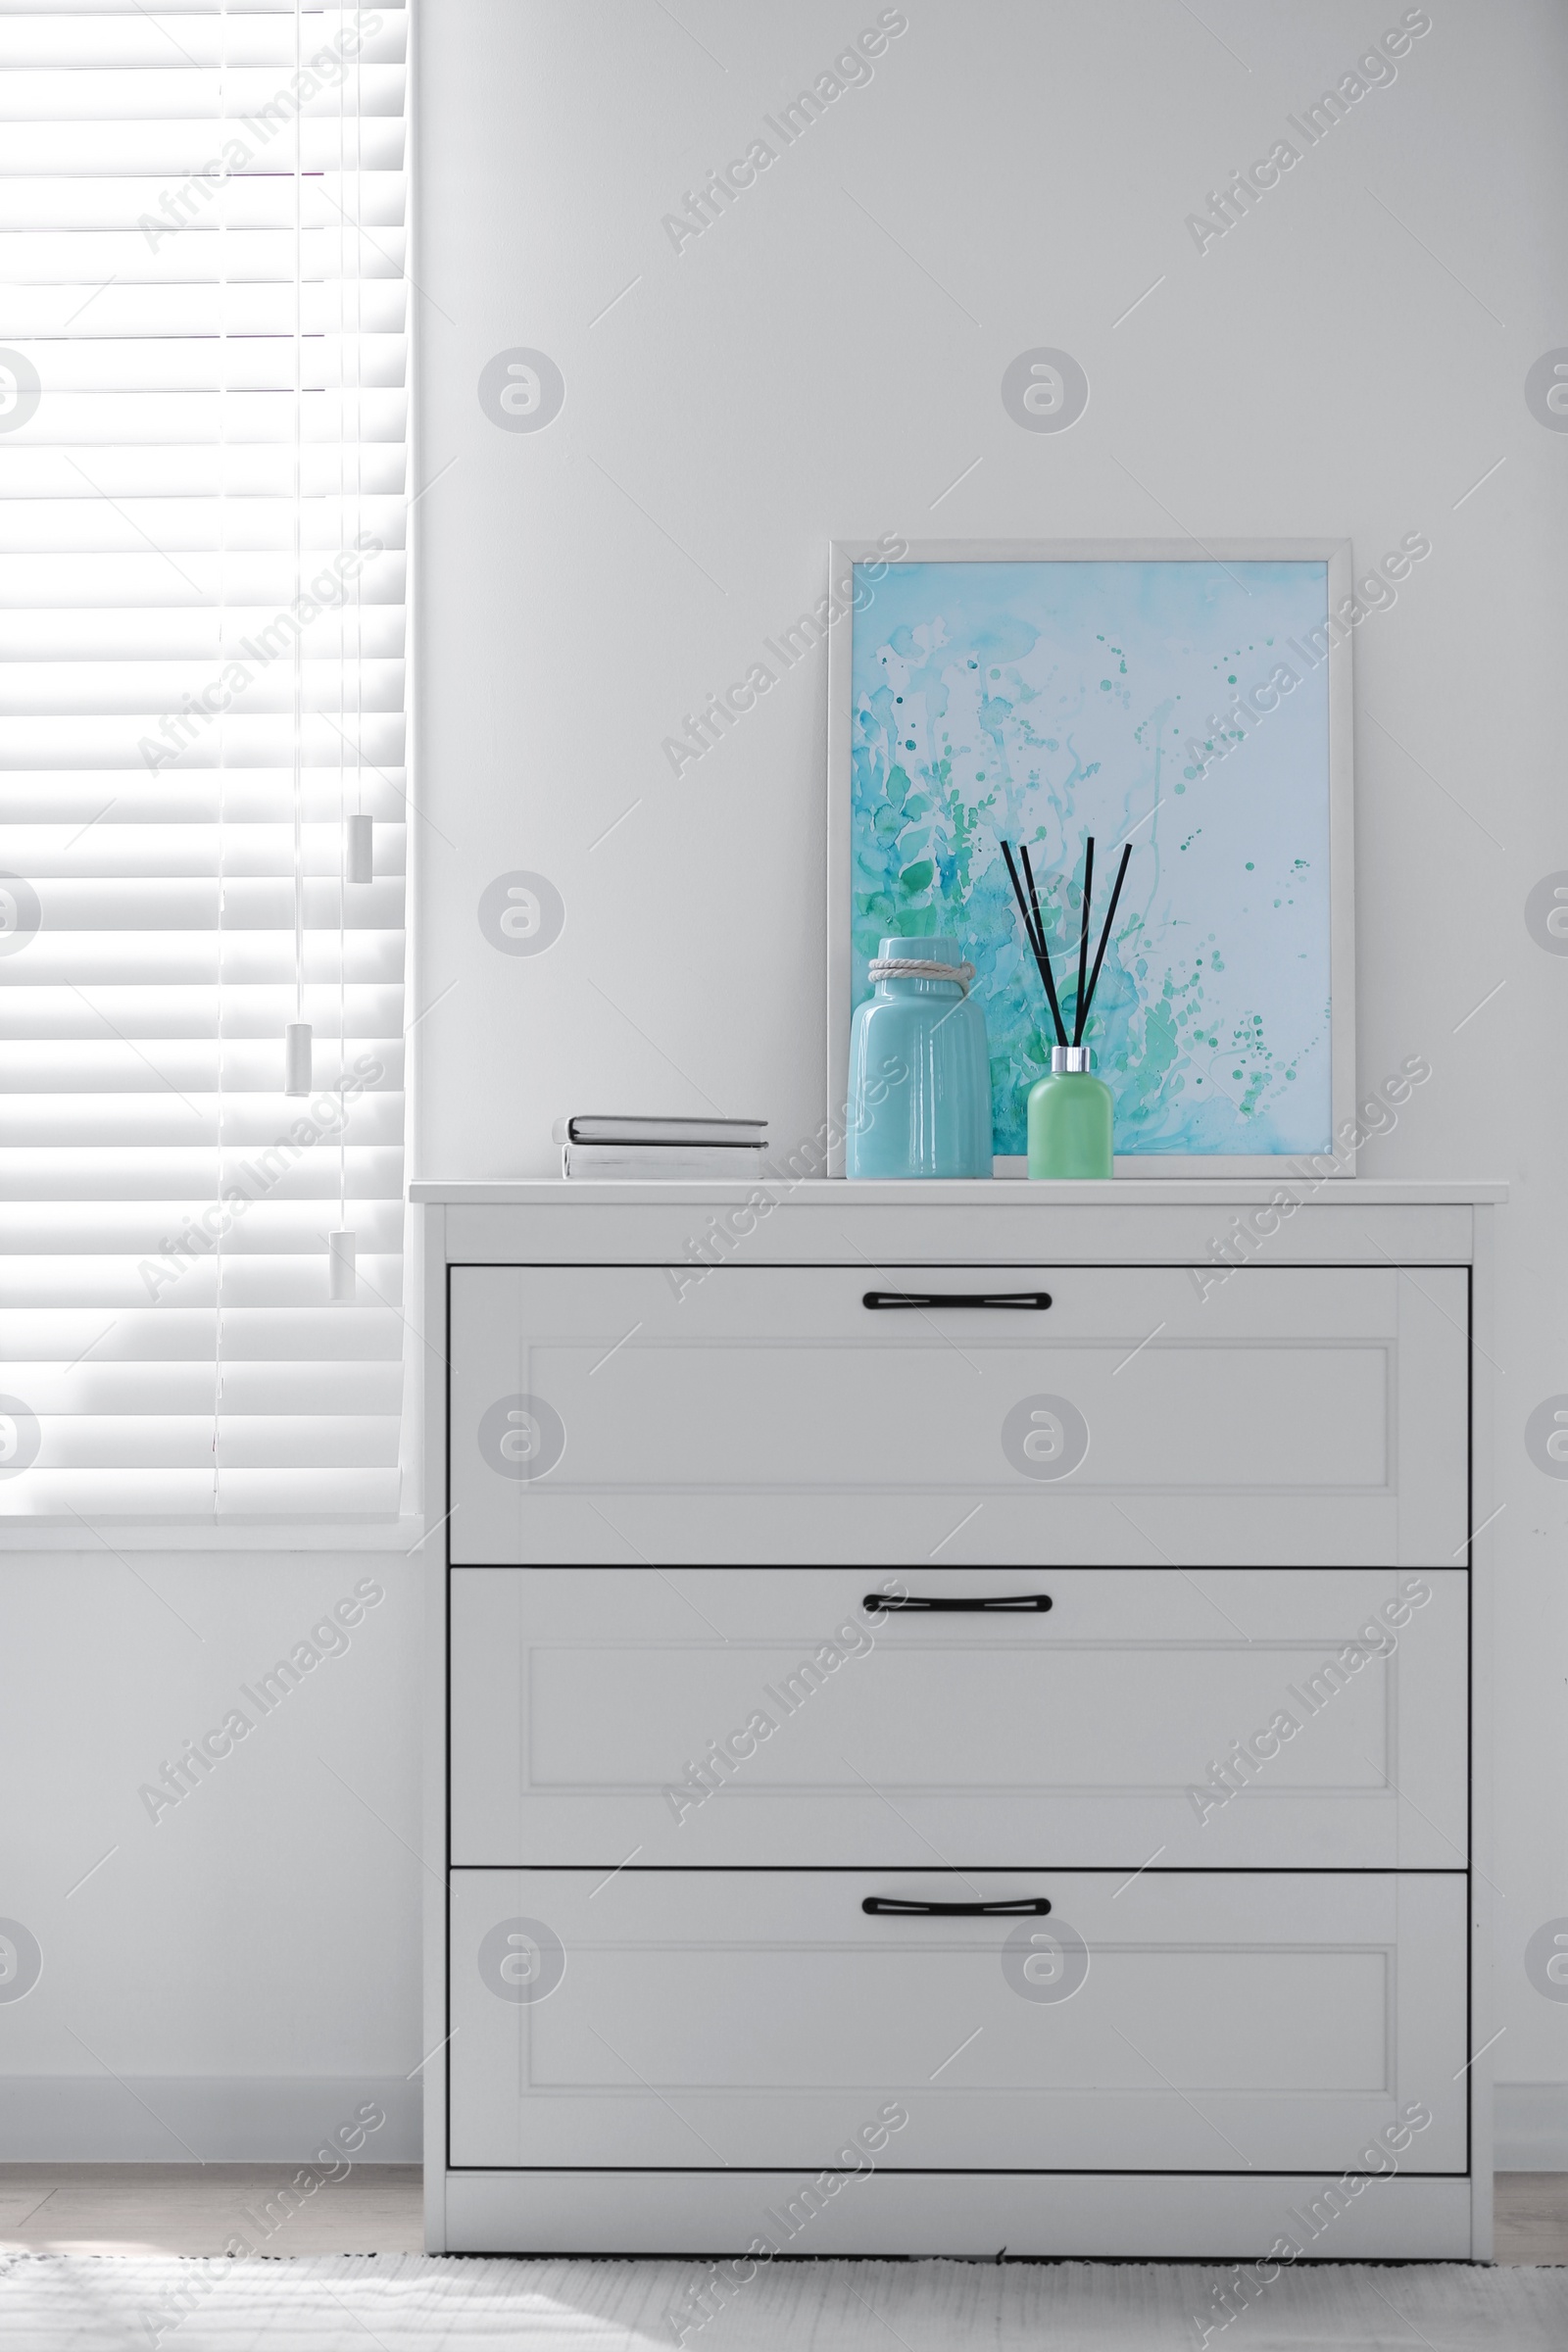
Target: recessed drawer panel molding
1021,2021
769,1415
1218,1718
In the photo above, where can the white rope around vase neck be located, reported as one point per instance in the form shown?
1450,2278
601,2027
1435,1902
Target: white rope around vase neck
911,967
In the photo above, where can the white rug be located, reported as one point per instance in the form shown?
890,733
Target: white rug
411,2303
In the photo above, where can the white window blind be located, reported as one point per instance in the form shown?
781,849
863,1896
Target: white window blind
202,483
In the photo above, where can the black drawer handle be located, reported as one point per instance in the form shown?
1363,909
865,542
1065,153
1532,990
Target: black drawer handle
873,1601
1026,1303
887,1906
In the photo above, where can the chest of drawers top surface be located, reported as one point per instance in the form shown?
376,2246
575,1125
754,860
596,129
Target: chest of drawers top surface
971,1194
1290,1219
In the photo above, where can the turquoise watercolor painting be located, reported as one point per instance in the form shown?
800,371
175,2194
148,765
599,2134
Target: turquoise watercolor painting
1181,706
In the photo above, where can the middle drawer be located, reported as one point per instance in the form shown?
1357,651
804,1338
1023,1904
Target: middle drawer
1224,1718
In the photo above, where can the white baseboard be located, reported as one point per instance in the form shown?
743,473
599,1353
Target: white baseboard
1531,2127
206,2119
1120,2216
229,2119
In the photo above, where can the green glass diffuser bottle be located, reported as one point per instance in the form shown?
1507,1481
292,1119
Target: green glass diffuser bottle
1070,1117
1071,1113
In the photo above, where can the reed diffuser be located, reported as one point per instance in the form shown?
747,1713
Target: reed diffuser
1072,1125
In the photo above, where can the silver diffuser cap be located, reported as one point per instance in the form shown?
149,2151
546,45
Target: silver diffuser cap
1071,1057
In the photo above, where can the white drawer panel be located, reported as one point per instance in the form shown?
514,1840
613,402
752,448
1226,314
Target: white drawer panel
1199,2022
1297,1414
1215,1719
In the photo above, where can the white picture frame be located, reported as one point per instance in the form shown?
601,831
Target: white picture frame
1335,555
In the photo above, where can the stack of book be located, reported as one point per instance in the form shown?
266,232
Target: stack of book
631,1151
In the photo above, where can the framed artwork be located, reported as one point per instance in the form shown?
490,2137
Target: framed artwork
1194,701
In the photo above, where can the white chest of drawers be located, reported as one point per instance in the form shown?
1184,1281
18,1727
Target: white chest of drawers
956,1720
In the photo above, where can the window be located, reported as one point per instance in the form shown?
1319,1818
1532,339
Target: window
202,578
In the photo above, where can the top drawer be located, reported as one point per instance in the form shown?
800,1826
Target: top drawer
769,1415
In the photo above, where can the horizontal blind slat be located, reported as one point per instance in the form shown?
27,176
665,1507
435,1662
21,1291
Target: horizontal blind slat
96,1175
103,1279
284,1496
282,1389
183,1333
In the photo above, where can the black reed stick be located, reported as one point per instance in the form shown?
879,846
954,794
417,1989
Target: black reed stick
1083,944
1033,932
1030,932
1104,936
1034,898
1045,952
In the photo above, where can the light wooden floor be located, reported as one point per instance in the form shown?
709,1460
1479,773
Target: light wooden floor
1533,2217
196,2209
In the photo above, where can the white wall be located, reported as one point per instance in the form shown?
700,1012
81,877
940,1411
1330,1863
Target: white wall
804,370
233,1976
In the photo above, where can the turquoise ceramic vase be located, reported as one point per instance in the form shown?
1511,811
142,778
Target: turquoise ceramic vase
919,1091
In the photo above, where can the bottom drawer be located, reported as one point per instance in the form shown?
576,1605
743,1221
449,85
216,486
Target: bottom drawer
1193,2022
